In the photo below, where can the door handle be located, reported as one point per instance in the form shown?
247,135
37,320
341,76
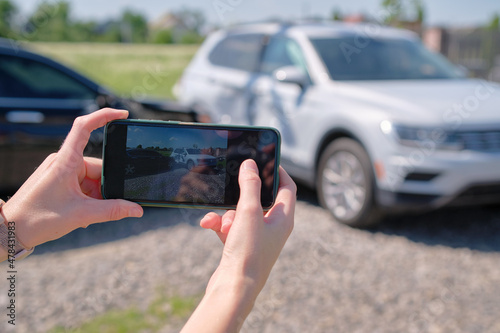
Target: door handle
25,116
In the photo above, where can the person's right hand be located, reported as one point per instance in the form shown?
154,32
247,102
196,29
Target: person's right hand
252,243
253,240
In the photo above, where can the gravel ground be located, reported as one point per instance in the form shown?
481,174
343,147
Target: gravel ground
436,272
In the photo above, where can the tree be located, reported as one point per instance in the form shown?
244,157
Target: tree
495,22
393,8
83,31
337,14
191,22
490,35
191,37
7,12
419,7
50,22
134,27
163,36
403,10
108,32
192,19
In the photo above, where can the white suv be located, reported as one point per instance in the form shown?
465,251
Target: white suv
192,157
368,116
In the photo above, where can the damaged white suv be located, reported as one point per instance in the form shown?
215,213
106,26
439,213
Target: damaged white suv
369,117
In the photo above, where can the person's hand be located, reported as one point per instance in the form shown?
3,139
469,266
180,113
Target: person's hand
63,193
253,240
252,243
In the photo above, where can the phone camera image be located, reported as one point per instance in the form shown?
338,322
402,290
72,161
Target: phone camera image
180,165
165,164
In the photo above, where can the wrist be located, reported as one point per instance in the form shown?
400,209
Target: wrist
20,218
237,293
240,289
9,239
225,306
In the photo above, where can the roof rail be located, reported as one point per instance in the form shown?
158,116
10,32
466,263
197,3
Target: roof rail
281,22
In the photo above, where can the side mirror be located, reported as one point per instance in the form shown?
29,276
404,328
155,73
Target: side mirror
292,74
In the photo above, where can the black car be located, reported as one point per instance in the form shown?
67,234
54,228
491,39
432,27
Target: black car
39,100
142,162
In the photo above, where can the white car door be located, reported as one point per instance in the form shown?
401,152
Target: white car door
233,66
283,105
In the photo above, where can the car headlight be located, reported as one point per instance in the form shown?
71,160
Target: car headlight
430,138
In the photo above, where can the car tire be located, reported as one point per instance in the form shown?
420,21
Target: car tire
190,165
345,184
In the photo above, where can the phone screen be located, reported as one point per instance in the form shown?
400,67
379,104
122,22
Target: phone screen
153,162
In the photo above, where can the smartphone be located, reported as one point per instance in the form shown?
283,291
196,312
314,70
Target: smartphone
174,164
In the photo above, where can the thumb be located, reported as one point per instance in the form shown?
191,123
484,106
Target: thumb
111,210
250,185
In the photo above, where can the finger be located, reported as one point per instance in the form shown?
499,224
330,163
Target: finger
79,135
218,223
227,221
211,221
95,211
250,185
93,167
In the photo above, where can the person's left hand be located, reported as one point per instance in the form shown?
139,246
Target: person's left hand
63,193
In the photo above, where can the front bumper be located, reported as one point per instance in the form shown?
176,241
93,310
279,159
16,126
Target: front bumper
441,179
478,194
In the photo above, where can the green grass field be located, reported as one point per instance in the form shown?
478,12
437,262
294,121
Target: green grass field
126,69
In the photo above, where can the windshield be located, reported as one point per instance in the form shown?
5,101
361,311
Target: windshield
382,59
194,151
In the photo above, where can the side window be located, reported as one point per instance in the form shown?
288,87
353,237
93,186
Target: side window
24,78
282,52
238,51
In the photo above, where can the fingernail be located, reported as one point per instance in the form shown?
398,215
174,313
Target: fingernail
136,212
249,165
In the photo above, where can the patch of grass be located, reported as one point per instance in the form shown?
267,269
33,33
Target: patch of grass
126,69
163,310
125,321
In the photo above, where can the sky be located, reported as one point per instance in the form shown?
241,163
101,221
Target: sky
174,138
456,13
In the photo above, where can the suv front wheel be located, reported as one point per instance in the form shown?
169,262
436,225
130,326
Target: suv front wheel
345,184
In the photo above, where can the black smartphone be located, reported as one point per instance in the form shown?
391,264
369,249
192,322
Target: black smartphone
173,164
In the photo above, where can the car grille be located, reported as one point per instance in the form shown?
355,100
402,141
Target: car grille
487,141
